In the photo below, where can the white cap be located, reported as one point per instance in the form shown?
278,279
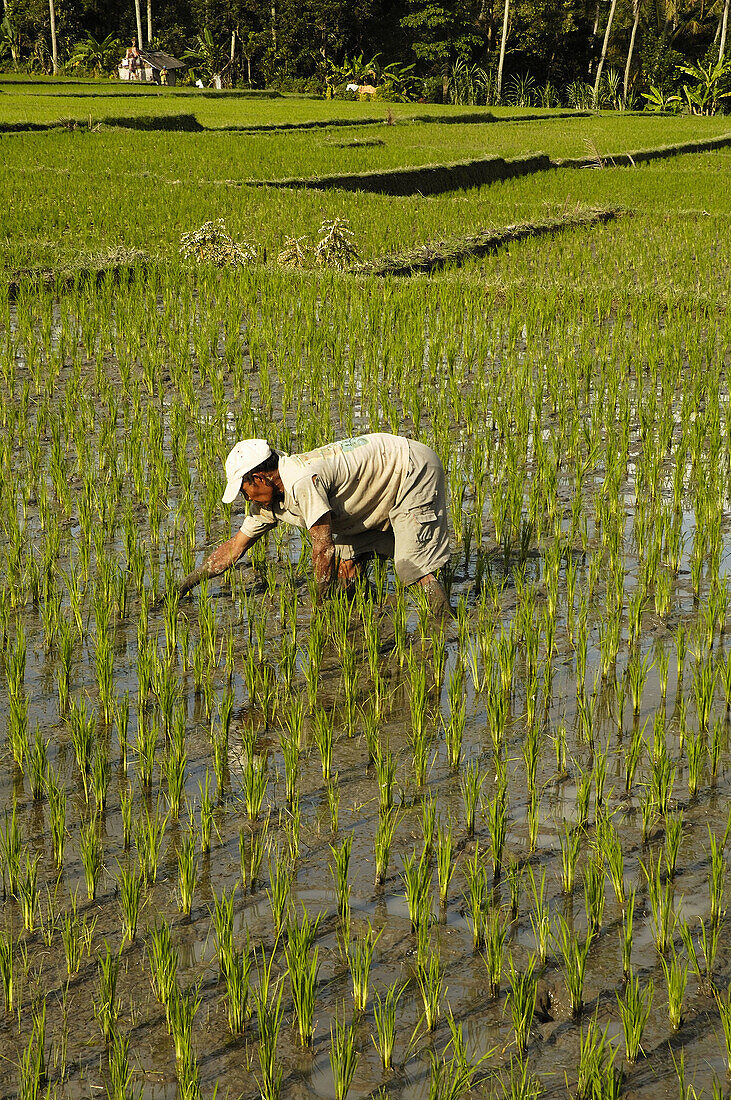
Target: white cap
245,456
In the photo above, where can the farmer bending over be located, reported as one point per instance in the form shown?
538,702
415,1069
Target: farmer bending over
372,495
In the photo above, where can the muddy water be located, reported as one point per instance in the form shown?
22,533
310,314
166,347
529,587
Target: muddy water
76,1053
74,1040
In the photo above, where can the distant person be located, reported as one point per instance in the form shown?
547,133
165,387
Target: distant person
132,57
374,495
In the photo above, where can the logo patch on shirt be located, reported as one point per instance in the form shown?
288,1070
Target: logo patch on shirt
329,450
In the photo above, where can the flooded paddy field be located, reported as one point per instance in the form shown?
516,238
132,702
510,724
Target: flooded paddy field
266,836
252,847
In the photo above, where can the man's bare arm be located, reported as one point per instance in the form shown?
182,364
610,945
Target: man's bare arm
324,555
222,558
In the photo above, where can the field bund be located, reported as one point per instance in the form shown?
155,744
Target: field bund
435,179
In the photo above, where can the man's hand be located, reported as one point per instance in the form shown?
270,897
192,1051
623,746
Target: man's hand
222,558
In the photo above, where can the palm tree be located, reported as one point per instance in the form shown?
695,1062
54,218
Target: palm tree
54,44
724,29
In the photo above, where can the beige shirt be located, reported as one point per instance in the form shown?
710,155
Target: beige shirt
357,480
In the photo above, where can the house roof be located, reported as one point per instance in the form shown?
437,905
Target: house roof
157,60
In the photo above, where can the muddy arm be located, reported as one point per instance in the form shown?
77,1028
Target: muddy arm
324,555
222,558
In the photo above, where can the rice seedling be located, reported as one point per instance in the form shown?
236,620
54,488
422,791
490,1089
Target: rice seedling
149,835
268,1003
256,780
497,820
146,746
290,745
332,790
387,822
430,979
661,898
724,1009
705,674
207,807
627,934
673,838
708,943
120,1074
33,1069
126,800
477,897
57,815
280,881
303,964
163,959
574,956
251,856
92,855
522,1002
27,892
339,869
343,1055
38,766
445,860
452,1077
695,750
416,877
609,846
570,841
187,871
521,1083
7,970
676,979
385,763
174,768
384,1014
129,891
716,748
237,974
583,798
454,734
182,1009
716,880
106,1006
471,785
594,895
81,729
223,923
596,1063
634,1010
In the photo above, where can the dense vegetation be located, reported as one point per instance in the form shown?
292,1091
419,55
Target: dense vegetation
459,50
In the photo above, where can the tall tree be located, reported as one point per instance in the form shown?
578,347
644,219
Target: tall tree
149,22
54,43
440,31
503,42
724,30
631,49
138,15
605,46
